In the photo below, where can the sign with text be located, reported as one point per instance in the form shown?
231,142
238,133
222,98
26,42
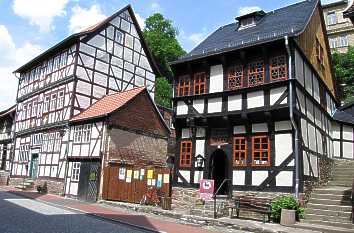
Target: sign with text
206,189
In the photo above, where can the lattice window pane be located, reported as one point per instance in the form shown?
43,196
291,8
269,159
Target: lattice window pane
255,73
235,77
186,154
199,83
240,151
260,151
278,68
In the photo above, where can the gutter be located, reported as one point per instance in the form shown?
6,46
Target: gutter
293,123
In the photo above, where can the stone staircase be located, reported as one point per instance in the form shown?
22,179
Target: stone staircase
27,184
207,210
4,177
329,208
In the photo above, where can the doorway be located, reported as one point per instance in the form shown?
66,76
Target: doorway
219,170
34,167
89,181
3,159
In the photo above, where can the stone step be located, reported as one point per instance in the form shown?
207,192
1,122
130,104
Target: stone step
341,179
329,212
340,190
331,223
337,183
329,207
327,218
322,228
331,196
330,202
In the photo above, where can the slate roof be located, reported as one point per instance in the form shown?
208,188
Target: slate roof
290,20
108,104
343,117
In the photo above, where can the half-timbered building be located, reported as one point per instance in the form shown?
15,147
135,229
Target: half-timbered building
68,78
254,103
123,132
6,137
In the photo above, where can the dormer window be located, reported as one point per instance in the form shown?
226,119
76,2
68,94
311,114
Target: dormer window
246,23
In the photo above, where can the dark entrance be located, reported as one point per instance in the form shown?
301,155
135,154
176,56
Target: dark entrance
34,167
3,159
219,170
89,181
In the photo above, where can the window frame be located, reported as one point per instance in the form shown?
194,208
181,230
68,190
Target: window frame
278,67
186,79
249,73
183,155
237,153
261,150
75,172
199,81
329,18
235,76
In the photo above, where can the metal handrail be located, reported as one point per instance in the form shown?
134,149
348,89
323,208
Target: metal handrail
214,196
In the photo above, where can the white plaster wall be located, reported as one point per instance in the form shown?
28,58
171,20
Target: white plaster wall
182,108
347,132
259,128
258,177
348,150
185,175
275,95
316,89
240,129
234,103
214,105
282,125
308,78
336,149
305,164
199,147
299,69
283,147
284,179
73,188
309,107
186,133
198,175
314,165
312,137
238,177
336,130
85,150
216,79
255,99
301,98
199,105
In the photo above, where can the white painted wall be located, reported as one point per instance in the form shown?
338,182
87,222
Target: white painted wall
185,175
275,95
258,177
282,125
299,70
284,179
255,99
216,79
234,103
283,147
259,128
214,105
199,105
348,150
238,177
182,108
198,175
347,132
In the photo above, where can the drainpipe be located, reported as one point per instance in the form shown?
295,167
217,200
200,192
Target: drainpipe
293,123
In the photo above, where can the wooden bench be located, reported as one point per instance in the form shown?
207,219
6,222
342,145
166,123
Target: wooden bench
252,204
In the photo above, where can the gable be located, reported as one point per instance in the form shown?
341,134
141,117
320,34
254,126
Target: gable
116,49
307,42
139,115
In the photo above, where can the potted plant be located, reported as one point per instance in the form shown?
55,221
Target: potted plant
286,210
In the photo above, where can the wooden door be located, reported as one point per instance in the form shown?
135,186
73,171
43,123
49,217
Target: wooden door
89,181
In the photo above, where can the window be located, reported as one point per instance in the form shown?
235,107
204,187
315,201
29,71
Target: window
24,111
331,18
343,41
53,101
57,142
77,133
28,111
240,151
260,151
255,73
333,43
186,154
86,133
319,52
323,100
60,102
246,23
199,83
184,86
278,68
119,37
75,175
46,104
235,77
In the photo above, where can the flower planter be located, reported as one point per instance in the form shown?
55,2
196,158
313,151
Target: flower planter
288,217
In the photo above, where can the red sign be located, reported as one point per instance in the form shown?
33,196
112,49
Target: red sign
206,189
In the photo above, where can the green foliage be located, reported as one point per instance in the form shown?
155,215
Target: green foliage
286,202
161,38
344,72
163,92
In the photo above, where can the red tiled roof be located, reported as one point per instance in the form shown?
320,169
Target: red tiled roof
108,104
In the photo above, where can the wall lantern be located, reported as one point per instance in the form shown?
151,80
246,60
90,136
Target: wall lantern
200,161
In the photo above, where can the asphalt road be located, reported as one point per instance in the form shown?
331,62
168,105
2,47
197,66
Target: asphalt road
20,215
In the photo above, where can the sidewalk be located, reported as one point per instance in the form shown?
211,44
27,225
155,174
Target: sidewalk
152,218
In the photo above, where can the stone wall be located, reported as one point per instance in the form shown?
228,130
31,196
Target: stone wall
54,187
184,198
326,166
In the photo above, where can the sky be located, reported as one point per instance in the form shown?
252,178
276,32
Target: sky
29,27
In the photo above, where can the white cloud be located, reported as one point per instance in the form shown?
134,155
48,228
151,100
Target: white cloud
40,12
12,57
83,18
140,20
196,38
155,7
248,9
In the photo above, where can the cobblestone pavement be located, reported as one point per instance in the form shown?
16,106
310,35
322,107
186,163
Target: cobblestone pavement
65,217
22,215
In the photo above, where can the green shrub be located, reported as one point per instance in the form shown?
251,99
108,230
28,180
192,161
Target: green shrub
286,202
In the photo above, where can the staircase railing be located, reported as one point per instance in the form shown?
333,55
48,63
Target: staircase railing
215,197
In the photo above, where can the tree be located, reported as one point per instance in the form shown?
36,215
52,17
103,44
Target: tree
161,37
163,92
344,71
